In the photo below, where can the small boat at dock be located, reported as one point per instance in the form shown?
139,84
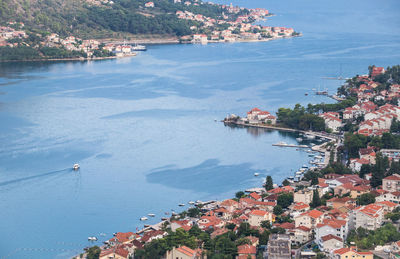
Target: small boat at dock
92,238
191,202
164,218
143,218
309,136
138,47
299,139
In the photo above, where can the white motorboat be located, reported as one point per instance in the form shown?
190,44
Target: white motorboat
92,238
181,205
191,202
143,218
308,136
151,215
139,47
75,167
256,174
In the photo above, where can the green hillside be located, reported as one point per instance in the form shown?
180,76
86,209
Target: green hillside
102,19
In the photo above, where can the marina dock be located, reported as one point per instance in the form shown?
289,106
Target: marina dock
290,145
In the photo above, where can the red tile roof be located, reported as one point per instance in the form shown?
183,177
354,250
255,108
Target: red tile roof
313,213
329,237
392,177
247,249
186,250
255,196
258,213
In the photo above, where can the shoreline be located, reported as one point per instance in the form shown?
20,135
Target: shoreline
68,59
331,137
151,42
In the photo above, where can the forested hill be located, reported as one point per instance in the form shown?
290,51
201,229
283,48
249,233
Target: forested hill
103,18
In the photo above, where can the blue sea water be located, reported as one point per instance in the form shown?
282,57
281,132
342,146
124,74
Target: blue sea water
144,131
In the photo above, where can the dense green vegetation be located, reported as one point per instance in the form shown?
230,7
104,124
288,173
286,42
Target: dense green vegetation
79,18
29,53
366,239
299,118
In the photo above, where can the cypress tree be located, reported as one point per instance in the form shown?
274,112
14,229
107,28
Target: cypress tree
269,183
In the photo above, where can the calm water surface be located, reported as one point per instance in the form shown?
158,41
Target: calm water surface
143,128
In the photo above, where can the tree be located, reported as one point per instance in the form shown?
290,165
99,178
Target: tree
379,170
365,169
266,224
393,216
264,237
285,199
394,168
278,210
239,194
365,199
269,185
193,212
316,200
93,252
285,182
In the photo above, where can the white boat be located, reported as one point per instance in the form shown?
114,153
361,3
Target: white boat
256,174
299,139
164,218
143,218
191,202
198,201
181,205
139,47
305,166
308,136
75,167
92,238
151,215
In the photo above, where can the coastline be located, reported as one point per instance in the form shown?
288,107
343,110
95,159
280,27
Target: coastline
331,137
68,59
149,41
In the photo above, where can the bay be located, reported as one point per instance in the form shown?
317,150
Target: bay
144,130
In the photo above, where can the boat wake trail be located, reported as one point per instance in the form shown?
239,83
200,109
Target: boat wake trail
33,177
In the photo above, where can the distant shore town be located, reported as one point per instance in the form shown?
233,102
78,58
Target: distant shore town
346,207
208,30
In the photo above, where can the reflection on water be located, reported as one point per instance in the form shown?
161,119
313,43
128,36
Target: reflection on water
257,132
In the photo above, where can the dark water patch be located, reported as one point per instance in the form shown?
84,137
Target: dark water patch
104,155
155,113
209,176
